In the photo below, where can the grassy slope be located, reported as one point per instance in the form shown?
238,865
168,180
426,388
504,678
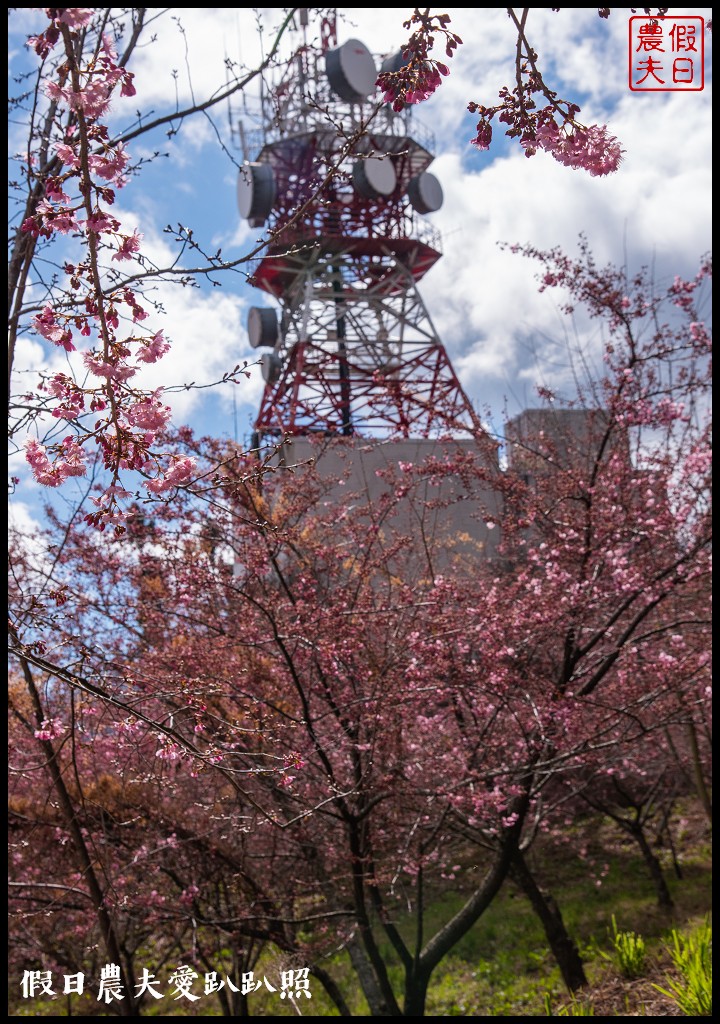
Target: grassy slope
502,967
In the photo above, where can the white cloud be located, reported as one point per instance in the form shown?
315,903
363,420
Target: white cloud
501,334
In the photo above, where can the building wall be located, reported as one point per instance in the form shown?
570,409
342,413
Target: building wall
454,496
452,508
539,440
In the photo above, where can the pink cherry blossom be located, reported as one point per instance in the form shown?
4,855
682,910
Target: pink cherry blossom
100,222
153,348
93,100
111,164
112,371
700,335
36,455
56,92
73,458
73,17
111,494
412,86
57,219
179,472
592,149
130,245
70,462
43,44
149,414
46,324
54,191
49,729
128,89
484,136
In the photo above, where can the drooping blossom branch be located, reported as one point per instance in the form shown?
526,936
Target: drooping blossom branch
553,127
91,167
420,74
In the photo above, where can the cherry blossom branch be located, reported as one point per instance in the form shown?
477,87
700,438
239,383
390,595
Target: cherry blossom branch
218,97
420,74
570,142
82,87
27,655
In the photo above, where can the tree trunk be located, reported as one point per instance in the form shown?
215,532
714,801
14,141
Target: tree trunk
563,948
416,986
332,989
665,900
698,775
376,1001
129,1005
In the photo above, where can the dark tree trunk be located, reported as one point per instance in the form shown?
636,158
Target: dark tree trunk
416,986
332,989
129,1005
665,900
377,1002
239,1007
563,948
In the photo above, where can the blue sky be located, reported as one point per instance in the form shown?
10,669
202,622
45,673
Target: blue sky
502,336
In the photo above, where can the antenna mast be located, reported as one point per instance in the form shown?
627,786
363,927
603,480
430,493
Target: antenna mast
342,188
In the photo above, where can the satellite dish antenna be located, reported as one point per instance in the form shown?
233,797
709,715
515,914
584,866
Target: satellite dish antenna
425,193
256,192
374,177
262,326
394,63
270,367
351,71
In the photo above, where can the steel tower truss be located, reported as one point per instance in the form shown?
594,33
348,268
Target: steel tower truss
342,185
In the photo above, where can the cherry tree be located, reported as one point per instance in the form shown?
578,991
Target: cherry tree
95,299
241,718
79,279
300,694
355,722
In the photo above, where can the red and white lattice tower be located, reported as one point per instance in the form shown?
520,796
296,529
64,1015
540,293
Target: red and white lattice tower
340,184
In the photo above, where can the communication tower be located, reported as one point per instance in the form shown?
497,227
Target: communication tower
339,182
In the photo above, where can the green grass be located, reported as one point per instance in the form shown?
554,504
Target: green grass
692,957
630,952
503,967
